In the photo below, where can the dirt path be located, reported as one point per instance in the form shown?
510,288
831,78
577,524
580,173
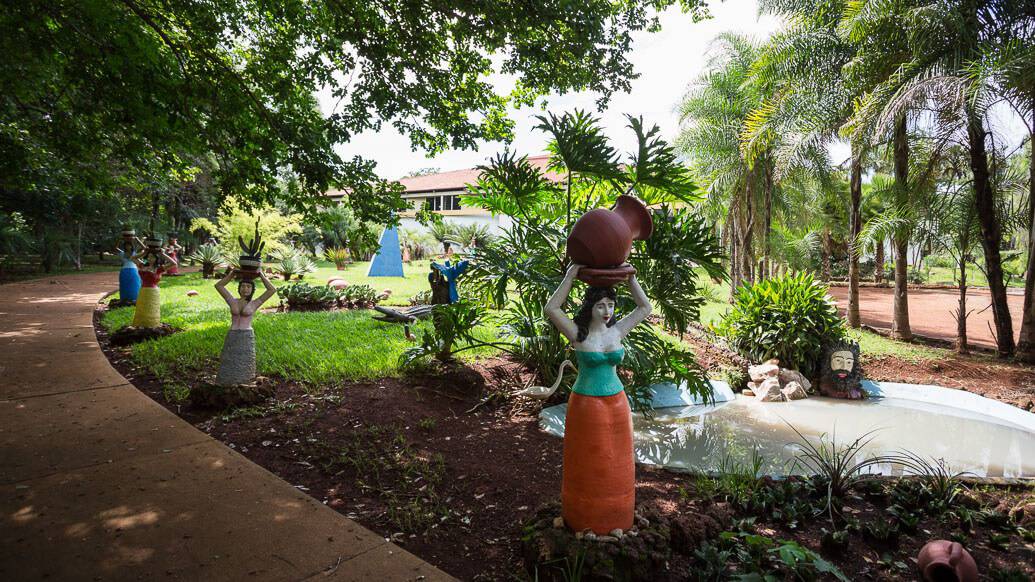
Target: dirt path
101,482
930,312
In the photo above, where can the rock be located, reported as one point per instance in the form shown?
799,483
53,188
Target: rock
794,391
1023,514
769,391
337,283
787,376
558,522
762,372
607,539
590,536
748,392
616,533
192,293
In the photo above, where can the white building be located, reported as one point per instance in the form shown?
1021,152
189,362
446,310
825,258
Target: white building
442,192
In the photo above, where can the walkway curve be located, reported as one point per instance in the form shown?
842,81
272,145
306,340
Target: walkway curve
100,482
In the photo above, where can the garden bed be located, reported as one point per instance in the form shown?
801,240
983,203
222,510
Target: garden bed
450,465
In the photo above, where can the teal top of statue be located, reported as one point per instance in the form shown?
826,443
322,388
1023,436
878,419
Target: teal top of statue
597,376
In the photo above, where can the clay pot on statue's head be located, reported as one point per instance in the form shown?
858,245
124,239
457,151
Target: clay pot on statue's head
128,234
249,267
602,240
945,561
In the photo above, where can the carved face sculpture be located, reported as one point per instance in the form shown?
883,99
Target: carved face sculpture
841,376
842,362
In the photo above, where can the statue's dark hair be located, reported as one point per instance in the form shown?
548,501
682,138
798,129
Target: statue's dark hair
585,314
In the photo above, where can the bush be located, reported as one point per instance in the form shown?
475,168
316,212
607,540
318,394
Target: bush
790,318
359,296
303,296
292,261
210,257
337,255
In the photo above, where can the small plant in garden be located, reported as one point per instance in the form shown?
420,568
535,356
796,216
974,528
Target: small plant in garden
358,296
290,262
790,318
337,255
837,467
451,324
756,557
304,296
210,257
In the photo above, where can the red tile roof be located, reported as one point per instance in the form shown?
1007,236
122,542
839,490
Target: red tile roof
458,179
453,180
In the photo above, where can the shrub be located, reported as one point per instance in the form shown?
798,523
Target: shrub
362,296
337,255
210,257
303,296
790,318
291,262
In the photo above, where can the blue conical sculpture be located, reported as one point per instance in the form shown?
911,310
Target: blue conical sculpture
388,260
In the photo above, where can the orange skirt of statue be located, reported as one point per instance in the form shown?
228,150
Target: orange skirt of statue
598,479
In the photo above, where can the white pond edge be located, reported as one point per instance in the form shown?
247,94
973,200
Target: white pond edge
667,395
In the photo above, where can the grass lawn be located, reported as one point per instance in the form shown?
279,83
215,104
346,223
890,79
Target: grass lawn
415,279
313,347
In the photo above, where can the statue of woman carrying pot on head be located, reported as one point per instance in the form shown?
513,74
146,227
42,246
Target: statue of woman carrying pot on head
598,479
151,262
129,276
237,362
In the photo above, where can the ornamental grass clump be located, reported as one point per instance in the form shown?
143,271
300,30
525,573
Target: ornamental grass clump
790,318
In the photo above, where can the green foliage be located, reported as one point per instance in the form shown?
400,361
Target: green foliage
236,221
758,557
790,318
302,295
451,324
339,227
528,258
337,255
290,261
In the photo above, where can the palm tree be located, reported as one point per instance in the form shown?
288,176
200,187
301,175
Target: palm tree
945,41
803,65
874,28
713,115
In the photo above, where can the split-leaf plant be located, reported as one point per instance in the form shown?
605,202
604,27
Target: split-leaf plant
518,270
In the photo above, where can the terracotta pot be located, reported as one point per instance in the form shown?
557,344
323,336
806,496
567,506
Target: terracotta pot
606,277
603,238
945,561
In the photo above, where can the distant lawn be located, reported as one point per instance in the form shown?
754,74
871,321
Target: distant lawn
313,347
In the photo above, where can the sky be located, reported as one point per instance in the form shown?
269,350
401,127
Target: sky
667,63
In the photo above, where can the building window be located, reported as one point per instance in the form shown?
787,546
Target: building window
445,202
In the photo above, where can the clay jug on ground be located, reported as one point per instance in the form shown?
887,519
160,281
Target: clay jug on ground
945,561
603,238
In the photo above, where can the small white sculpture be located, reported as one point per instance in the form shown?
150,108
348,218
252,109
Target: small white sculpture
544,392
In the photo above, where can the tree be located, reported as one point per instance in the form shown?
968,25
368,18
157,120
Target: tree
944,42
236,221
95,89
713,115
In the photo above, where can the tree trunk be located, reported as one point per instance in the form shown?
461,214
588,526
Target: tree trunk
900,323
1026,345
748,224
991,234
763,273
825,253
878,263
854,227
961,318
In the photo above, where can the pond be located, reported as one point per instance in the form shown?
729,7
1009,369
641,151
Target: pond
968,435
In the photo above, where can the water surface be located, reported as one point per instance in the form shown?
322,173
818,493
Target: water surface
701,437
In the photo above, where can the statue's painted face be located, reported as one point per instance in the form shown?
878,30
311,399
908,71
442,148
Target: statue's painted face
604,310
842,362
245,289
